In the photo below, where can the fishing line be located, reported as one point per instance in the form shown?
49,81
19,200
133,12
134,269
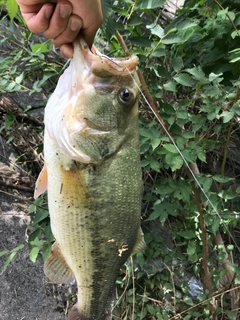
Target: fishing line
185,162
180,153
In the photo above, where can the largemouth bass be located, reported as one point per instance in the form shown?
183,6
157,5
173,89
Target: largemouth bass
93,176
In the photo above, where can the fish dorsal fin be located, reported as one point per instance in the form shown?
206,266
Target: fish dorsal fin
140,244
41,183
56,268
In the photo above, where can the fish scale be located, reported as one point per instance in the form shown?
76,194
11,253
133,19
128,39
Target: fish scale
93,175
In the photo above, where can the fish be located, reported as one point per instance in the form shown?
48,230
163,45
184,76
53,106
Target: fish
92,173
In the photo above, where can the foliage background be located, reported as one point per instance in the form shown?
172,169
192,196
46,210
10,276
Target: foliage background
191,224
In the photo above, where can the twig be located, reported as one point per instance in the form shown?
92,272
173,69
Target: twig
21,198
225,149
229,274
206,279
229,18
200,303
6,105
16,187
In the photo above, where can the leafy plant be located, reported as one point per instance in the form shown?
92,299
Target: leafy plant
189,154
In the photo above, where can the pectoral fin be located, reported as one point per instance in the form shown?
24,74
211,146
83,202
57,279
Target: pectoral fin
41,183
56,268
140,244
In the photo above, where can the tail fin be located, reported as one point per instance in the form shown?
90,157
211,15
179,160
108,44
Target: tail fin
75,314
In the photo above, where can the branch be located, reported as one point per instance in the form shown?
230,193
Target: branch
206,279
229,18
16,187
6,105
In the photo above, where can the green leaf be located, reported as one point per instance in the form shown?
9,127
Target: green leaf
171,39
186,24
19,78
34,254
170,86
191,248
227,194
155,165
111,27
184,79
31,208
213,77
215,224
42,47
12,8
19,247
46,251
187,234
201,154
222,179
227,115
237,279
162,210
154,215
182,114
177,63
174,160
188,300
145,162
235,269
206,182
188,134
11,86
151,4
230,314
197,73
8,261
141,41
170,148
155,142
36,242
156,30
48,233
41,215
106,10
2,253
140,259
135,21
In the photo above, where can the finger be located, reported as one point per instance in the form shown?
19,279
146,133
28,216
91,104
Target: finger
66,50
89,32
59,20
70,33
39,22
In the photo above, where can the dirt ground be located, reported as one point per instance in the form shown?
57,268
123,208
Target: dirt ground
25,293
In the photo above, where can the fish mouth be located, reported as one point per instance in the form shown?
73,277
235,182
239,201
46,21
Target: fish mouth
99,64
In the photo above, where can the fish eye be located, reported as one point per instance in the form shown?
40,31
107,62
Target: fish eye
125,95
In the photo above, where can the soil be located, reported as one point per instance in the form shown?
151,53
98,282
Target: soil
25,293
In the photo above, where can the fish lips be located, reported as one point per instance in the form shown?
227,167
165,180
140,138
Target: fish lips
89,63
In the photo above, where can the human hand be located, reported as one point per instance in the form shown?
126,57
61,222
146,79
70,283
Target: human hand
61,21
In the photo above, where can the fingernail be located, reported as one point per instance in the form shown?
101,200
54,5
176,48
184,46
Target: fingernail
48,12
75,24
65,11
